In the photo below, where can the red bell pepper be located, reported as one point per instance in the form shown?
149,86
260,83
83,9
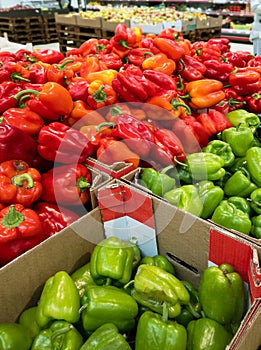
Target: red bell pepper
222,43
160,155
47,55
218,70
170,48
245,82
15,144
38,72
138,55
254,62
24,55
14,71
20,230
148,44
136,134
78,88
54,218
111,60
123,37
103,46
234,100
171,33
234,59
67,185
191,132
7,56
170,140
213,122
100,95
52,102
60,143
190,68
161,81
7,91
24,119
204,51
19,183
253,102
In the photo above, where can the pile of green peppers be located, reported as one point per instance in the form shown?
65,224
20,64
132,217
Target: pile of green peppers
120,300
221,183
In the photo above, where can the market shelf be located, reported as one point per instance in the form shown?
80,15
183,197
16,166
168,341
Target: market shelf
236,35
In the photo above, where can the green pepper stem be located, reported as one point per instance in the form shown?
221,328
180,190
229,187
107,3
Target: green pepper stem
128,284
254,202
124,43
166,169
62,66
20,103
193,311
175,104
15,76
82,184
115,110
147,54
182,64
21,179
26,92
109,124
99,95
61,331
184,165
13,218
180,85
165,312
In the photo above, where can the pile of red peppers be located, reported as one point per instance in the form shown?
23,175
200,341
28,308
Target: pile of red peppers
139,98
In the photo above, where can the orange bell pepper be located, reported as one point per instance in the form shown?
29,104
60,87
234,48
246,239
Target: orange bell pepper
170,48
167,101
204,93
94,135
100,94
115,110
106,76
60,73
138,33
82,114
160,62
90,65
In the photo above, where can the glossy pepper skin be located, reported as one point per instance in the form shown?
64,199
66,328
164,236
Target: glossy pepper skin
7,90
28,320
105,304
156,284
112,259
82,278
190,68
60,335
59,300
185,198
244,118
15,336
245,82
156,332
67,185
207,334
160,63
210,195
169,47
253,157
107,336
218,70
222,149
161,81
160,261
226,288
239,184
256,226
239,138
213,121
205,166
228,215
161,182
60,143
19,183
255,200
47,55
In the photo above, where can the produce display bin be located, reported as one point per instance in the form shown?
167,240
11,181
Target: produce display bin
171,232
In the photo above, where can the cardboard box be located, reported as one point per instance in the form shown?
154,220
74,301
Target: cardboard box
177,25
110,26
98,179
189,24
89,22
215,21
65,19
190,243
148,28
116,170
202,23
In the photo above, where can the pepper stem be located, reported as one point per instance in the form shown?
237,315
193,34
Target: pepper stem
115,110
124,43
109,124
82,184
165,312
21,179
184,165
26,92
60,332
15,76
99,95
13,218
175,104
62,66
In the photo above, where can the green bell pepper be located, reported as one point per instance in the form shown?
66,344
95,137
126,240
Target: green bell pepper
15,336
82,278
192,310
158,183
108,304
239,138
112,259
222,149
253,157
160,261
239,184
184,175
221,294
207,334
245,118
256,227
210,196
255,201
60,335
238,164
157,284
241,203
185,198
59,300
28,320
106,337
229,216
205,166
156,332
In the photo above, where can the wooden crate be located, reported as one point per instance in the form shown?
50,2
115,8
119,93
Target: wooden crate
95,23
